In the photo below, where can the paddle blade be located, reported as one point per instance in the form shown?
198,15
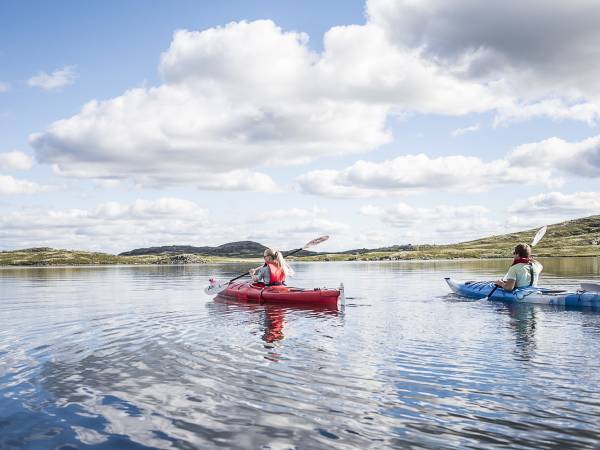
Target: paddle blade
315,242
539,235
215,287
590,287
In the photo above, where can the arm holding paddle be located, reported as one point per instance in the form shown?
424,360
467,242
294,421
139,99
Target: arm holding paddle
507,285
259,273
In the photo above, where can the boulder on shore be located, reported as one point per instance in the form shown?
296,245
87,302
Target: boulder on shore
181,259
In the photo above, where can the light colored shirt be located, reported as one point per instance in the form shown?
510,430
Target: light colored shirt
263,275
521,273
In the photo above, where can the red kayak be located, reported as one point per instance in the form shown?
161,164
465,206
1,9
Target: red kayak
246,291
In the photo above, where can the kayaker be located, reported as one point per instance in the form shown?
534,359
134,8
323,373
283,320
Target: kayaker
524,271
274,271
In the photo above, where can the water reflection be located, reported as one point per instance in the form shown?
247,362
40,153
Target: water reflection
274,322
271,319
571,267
522,321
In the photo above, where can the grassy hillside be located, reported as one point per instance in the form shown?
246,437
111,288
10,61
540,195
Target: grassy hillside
50,257
580,237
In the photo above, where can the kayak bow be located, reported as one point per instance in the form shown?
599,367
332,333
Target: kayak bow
529,294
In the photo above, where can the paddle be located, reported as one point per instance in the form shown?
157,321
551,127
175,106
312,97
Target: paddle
590,287
537,238
214,288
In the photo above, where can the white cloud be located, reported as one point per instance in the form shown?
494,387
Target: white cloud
541,162
316,227
248,95
440,224
289,213
57,79
370,210
289,228
150,209
552,207
580,158
414,173
572,205
505,39
461,131
13,186
220,109
15,160
555,109
113,226
4,87
509,49
403,214
333,183
107,184
360,62
290,234
522,222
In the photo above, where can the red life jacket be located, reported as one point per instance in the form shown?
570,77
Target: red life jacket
522,261
277,275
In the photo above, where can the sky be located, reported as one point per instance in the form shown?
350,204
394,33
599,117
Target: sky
128,124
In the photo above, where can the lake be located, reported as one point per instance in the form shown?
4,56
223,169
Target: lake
136,357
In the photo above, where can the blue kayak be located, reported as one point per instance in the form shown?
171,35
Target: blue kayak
529,294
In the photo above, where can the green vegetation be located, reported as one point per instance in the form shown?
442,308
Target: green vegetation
580,237
51,257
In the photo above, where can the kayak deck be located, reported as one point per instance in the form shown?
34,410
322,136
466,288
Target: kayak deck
530,294
249,292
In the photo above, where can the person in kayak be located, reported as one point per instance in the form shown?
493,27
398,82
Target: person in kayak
524,271
274,271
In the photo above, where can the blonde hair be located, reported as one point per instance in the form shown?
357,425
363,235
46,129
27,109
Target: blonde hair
277,258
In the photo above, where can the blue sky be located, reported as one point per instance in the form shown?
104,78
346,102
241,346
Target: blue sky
128,124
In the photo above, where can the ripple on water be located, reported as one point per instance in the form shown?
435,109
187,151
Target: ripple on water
140,358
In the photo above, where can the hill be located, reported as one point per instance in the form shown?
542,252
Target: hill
45,256
241,249
579,237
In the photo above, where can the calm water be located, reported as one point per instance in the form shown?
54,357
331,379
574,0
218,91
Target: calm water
140,357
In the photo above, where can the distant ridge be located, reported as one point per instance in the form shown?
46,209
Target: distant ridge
231,249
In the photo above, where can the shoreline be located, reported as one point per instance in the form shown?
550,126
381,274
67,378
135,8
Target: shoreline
232,261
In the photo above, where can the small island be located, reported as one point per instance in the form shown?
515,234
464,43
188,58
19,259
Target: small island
579,237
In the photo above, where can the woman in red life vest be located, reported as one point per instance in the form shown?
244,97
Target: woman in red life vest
524,270
274,271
